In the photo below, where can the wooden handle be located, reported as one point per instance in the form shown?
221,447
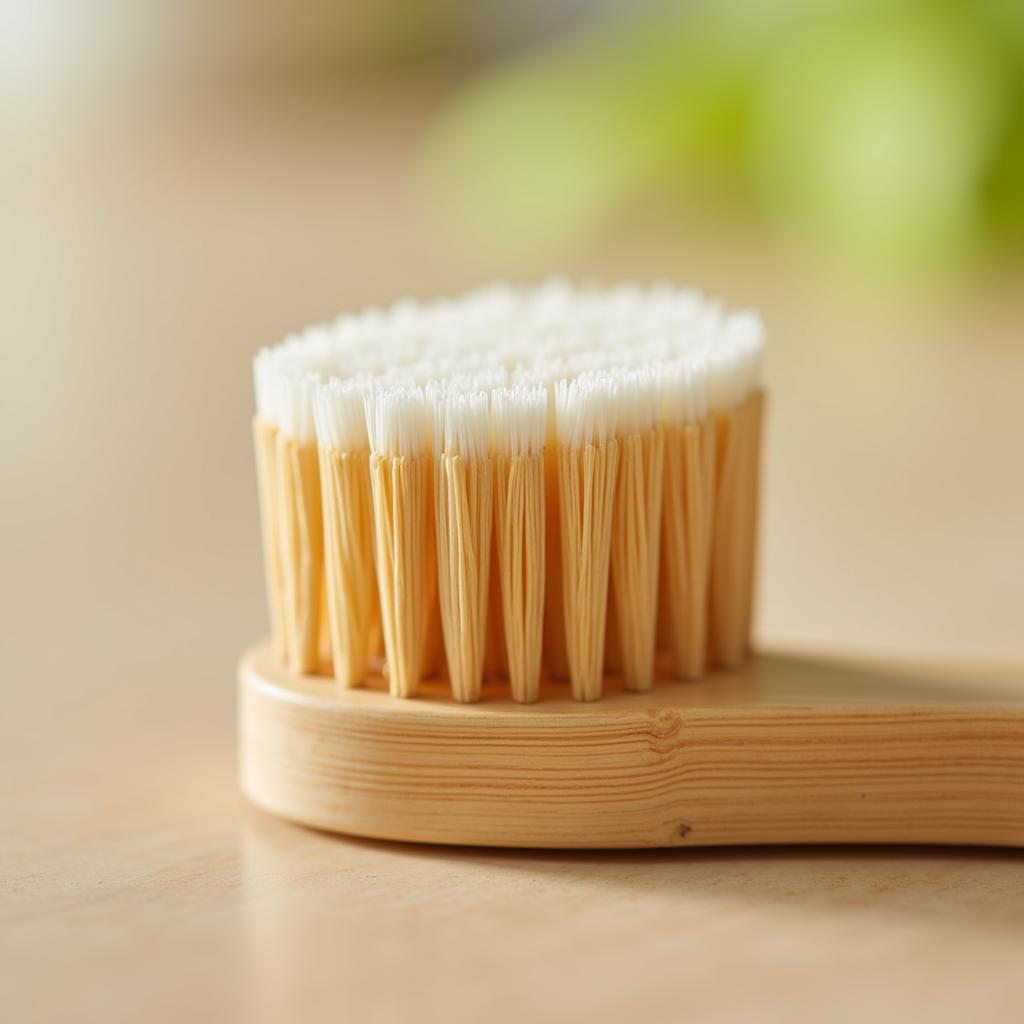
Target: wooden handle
783,750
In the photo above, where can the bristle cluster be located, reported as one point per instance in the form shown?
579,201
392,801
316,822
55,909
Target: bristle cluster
339,409
587,408
519,416
396,421
500,337
295,397
684,392
497,378
639,397
459,413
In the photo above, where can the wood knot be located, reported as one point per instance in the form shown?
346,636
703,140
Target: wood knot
664,730
684,830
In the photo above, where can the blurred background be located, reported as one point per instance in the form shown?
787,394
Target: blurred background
183,182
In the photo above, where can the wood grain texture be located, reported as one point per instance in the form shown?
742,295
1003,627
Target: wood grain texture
784,750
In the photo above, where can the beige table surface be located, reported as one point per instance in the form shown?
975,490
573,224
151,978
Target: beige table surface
147,253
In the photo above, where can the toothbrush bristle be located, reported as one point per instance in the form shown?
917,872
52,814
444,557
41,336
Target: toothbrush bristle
340,414
499,335
607,390
397,420
519,418
296,393
586,408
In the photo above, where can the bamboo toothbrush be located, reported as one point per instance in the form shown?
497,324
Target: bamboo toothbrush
544,502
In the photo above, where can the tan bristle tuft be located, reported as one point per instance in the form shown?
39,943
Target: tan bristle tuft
339,412
400,473
588,457
352,601
463,495
636,527
519,417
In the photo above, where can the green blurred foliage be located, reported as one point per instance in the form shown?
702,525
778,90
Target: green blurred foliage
889,134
